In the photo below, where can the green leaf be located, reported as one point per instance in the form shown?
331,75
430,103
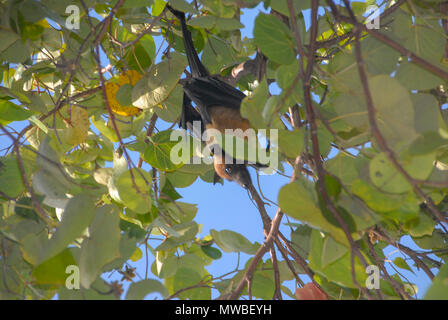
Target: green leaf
298,200
158,152
212,252
226,24
182,5
393,106
33,244
165,267
285,77
332,251
139,290
220,8
185,232
351,108
375,199
339,270
301,239
171,108
231,241
272,107
439,288
426,112
344,167
105,130
8,39
24,208
78,214
291,143
52,271
137,3
158,7
147,42
282,7
401,263
401,26
395,114
127,247
206,22
288,292
137,57
437,240
137,255
427,143
120,166
130,219
263,286
155,87
128,128
123,95
344,76
216,55
333,186
32,31
12,49
181,179
414,77
252,106
102,246
139,200
10,112
53,186
101,292
423,226
180,211
386,177
274,39
325,138
378,57
425,40
186,277
11,182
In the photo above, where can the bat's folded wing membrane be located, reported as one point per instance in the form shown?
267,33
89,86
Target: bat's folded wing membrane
210,91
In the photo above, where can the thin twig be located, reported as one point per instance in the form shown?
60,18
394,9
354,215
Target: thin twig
398,287
277,291
248,274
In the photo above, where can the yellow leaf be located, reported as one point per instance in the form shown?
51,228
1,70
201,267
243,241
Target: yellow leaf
131,77
137,255
78,129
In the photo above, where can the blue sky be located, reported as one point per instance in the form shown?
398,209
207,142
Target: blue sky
228,206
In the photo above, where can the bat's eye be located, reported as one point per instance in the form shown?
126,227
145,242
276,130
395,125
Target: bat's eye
229,170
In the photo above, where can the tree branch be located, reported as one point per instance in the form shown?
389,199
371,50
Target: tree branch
248,274
374,127
313,128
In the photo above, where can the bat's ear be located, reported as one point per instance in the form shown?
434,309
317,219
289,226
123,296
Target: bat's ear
258,166
216,178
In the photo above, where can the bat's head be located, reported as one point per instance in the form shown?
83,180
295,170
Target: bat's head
239,174
232,172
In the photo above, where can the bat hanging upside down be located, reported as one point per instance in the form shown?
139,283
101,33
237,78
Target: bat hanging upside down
217,106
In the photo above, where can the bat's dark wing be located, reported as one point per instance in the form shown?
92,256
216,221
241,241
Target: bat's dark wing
189,115
210,91
196,67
